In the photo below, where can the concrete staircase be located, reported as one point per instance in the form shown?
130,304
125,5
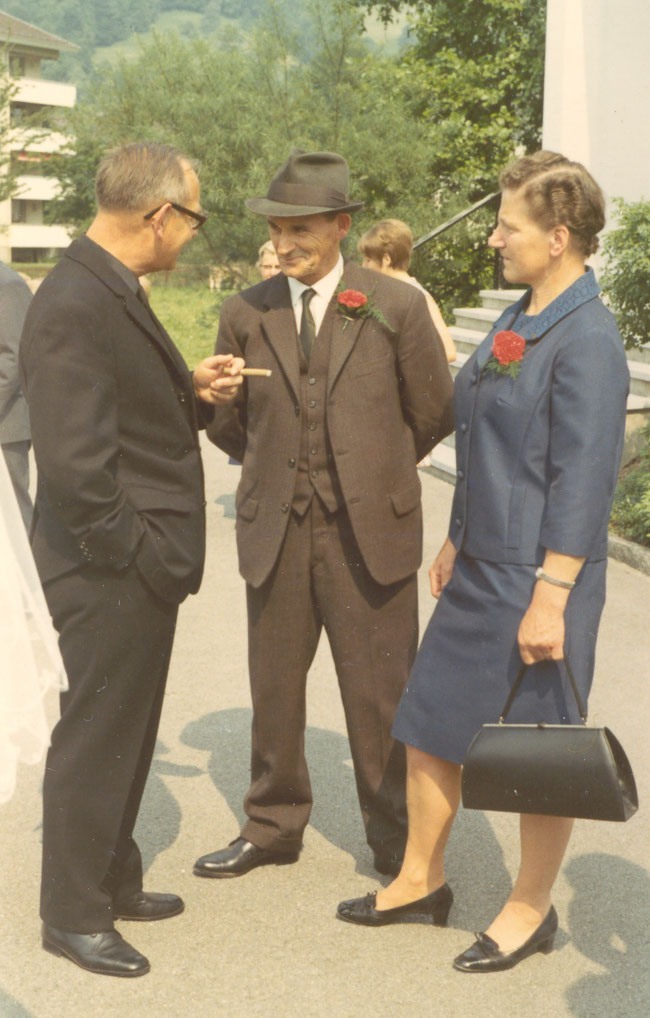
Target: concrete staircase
472,324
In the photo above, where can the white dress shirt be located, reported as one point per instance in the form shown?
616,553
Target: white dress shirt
323,293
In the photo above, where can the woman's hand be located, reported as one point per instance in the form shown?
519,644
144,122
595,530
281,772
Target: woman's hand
541,633
442,568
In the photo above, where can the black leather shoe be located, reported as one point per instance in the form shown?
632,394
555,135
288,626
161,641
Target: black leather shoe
147,906
238,858
484,954
433,908
389,865
105,953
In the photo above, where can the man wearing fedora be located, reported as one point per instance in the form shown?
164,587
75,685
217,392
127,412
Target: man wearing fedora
329,520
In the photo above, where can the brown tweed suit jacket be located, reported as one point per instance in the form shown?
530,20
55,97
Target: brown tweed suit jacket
389,401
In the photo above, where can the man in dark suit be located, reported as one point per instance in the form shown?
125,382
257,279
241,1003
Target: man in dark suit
15,297
118,536
329,522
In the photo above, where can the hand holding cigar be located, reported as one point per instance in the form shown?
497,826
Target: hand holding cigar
256,372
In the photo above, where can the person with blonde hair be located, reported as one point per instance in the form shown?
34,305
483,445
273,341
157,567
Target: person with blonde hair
267,263
387,247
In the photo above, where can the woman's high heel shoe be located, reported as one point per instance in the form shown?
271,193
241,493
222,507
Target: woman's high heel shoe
433,908
484,954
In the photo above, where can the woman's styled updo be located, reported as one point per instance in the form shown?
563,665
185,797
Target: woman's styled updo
559,192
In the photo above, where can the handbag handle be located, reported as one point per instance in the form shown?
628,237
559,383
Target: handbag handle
516,684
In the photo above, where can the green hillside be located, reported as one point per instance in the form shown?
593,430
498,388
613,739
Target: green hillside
114,30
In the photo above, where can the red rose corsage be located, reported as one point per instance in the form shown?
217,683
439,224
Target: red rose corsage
507,352
355,304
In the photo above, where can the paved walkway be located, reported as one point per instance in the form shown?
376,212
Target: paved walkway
268,944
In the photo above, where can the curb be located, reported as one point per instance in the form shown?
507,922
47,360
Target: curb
631,554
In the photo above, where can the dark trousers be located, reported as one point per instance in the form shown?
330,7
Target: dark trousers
116,638
321,580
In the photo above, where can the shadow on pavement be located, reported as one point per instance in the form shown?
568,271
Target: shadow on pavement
476,871
10,1008
228,503
159,819
476,868
608,921
226,736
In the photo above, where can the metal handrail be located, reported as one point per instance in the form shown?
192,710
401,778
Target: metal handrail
456,219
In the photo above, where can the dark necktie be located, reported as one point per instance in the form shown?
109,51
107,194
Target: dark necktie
307,325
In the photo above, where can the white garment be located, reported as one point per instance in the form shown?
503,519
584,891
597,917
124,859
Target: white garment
323,293
30,662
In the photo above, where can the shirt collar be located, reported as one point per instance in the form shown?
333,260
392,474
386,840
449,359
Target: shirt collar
324,287
532,327
117,266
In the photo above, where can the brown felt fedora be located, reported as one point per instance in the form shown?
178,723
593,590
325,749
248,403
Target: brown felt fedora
308,183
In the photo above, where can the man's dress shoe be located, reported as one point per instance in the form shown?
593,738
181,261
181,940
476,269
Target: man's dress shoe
484,954
147,906
433,908
238,858
105,953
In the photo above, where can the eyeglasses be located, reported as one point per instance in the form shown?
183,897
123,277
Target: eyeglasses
198,217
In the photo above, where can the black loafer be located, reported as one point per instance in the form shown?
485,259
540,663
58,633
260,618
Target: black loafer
238,858
484,954
106,953
389,865
433,908
147,906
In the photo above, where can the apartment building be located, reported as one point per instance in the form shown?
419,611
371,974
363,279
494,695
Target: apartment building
24,234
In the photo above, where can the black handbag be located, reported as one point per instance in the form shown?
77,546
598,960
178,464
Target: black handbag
555,770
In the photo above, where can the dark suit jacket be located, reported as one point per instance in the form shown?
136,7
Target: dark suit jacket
114,427
537,468
15,297
389,396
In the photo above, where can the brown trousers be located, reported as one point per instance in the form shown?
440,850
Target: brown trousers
320,580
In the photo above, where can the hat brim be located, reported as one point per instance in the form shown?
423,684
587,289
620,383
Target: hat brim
267,207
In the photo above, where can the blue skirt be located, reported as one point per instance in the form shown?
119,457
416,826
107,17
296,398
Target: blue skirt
469,658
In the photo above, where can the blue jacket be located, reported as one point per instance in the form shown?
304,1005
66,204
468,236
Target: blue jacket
537,466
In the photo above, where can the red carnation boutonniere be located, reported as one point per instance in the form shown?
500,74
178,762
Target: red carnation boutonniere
355,304
507,351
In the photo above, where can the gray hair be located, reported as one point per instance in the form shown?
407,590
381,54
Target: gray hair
132,177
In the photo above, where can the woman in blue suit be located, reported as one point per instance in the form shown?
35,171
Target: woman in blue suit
540,414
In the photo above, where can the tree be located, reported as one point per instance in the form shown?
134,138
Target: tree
31,126
626,279
240,110
475,77
425,135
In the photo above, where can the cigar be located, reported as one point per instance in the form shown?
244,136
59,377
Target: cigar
260,372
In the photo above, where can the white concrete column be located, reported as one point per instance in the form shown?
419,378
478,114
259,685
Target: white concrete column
597,90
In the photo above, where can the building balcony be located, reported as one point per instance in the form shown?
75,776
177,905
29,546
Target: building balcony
26,235
36,140
44,93
36,188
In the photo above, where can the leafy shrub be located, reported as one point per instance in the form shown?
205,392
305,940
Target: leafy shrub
631,510
626,279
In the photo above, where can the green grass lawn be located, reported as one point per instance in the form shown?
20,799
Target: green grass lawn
190,314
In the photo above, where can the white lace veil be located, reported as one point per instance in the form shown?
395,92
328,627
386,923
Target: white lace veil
30,662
